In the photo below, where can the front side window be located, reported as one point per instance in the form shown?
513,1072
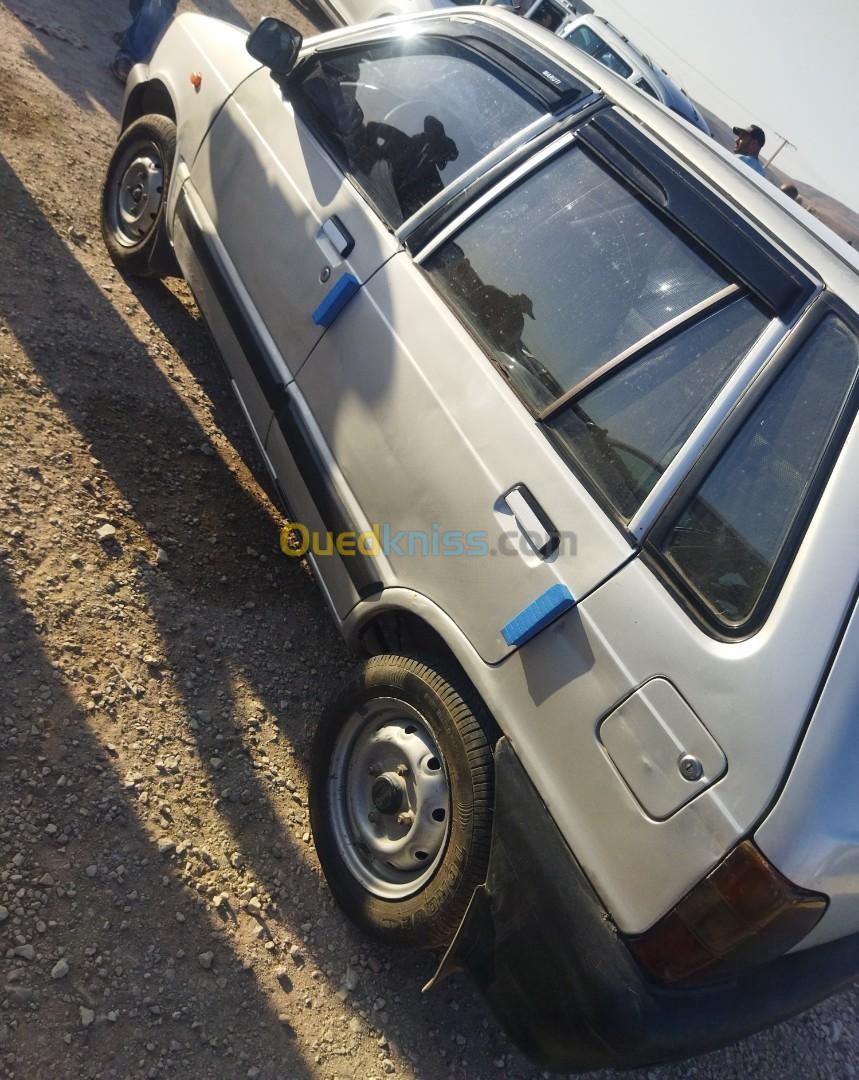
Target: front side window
728,541
585,39
566,271
406,117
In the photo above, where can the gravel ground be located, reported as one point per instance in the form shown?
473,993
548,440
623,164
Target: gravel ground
162,913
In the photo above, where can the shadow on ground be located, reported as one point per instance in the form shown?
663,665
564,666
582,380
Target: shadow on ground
242,633
82,849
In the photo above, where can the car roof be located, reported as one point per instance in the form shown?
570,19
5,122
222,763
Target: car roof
753,197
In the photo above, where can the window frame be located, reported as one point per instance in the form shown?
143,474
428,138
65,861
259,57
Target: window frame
705,220
653,556
447,214
747,369
656,338
786,288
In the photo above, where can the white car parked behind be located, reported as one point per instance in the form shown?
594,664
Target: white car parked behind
605,43
358,11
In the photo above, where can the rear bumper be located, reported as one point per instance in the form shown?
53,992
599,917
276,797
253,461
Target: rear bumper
561,981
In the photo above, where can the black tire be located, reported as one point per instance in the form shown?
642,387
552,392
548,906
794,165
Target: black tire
429,916
134,196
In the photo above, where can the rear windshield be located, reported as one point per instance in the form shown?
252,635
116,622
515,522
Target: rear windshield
585,39
548,15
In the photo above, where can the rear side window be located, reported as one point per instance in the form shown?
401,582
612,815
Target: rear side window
565,272
729,542
406,117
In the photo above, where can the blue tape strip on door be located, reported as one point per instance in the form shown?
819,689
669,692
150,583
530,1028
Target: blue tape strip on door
531,620
337,297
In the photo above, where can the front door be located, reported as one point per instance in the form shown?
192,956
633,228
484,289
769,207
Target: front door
288,230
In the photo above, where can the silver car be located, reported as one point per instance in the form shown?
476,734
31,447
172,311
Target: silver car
606,43
561,401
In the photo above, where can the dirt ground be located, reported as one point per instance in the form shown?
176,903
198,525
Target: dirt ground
162,912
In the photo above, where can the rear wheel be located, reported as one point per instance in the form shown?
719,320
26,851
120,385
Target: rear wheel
135,195
401,800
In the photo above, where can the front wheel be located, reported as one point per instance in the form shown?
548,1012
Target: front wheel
135,195
401,788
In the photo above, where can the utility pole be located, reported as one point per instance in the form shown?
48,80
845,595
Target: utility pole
784,142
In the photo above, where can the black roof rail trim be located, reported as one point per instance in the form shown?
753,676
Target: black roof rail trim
701,213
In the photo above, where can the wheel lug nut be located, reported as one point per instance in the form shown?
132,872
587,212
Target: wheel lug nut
405,818
402,770
373,816
374,768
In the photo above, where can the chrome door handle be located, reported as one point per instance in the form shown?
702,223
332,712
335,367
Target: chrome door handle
336,233
532,521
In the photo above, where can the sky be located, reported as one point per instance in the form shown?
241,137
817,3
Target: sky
790,67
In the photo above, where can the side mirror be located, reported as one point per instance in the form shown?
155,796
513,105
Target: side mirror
276,45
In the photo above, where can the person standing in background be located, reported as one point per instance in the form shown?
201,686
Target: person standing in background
148,19
790,189
750,141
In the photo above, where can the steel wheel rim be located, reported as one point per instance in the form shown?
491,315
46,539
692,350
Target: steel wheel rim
137,193
389,798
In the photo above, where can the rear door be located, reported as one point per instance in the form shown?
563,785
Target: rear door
658,717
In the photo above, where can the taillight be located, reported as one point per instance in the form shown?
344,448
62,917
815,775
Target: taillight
743,913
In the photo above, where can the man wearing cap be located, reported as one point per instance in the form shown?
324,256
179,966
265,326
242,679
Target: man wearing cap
749,142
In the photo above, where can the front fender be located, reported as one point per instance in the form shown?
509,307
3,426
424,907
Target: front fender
193,45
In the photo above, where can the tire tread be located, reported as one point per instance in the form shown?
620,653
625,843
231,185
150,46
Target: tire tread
153,257
453,884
